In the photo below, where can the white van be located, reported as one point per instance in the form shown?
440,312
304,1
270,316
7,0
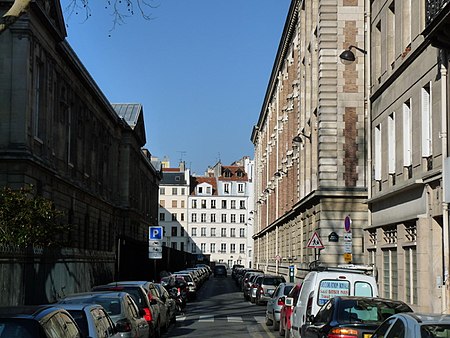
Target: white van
319,286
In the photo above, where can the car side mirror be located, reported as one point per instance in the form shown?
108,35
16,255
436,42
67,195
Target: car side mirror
289,301
282,299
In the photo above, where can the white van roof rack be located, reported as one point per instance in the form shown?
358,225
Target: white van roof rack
362,269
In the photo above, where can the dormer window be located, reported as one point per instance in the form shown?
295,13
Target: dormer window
227,173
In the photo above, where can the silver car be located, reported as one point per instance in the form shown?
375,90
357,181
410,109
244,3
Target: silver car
92,319
266,287
414,325
122,309
275,303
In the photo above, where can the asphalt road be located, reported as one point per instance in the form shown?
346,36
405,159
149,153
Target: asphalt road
221,311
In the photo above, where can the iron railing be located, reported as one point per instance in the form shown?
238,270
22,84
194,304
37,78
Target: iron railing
433,8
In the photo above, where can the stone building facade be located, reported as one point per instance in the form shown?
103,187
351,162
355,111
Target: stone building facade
407,234
59,133
310,142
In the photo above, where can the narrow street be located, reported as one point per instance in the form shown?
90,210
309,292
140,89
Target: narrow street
221,311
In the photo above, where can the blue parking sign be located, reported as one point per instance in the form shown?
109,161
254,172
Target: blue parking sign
155,232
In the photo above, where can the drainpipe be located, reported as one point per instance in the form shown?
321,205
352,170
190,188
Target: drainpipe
444,158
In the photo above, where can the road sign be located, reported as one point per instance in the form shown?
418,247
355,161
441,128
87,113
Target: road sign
155,255
347,223
155,232
348,257
315,242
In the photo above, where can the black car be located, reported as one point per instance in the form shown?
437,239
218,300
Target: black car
220,270
37,321
359,315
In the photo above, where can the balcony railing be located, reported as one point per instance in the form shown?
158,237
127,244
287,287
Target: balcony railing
433,8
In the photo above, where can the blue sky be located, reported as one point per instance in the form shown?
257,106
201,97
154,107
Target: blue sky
200,68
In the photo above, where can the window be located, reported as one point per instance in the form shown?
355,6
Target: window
174,231
426,121
181,231
391,143
182,216
174,245
38,112
162,216
174,203
240,187
203,247
193,248
233,204
241,204
200,190
174,191
213,204
162,191
203,232
194,204
226,188
241,248
377,153
213,218
224,218
227,173
391,33
232,232
183,191
203,217
212,247
233,218
181,246
223,247
241,218
174,217
194,232
213,232
224,204
193,217
223,232
411,275
242,232
208,190
203,204
390,280
182,204
407,134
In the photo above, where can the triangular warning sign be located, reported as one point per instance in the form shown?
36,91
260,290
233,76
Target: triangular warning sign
315,242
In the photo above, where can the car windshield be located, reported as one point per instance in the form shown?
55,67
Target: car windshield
273,280
18,328
435,331
80,319
370,310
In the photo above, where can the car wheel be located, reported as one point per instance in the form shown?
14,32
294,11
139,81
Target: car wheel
252,300
269,321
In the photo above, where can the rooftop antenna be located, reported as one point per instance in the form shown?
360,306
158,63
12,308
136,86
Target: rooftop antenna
182,152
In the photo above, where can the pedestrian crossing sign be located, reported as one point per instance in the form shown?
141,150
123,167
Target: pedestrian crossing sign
315,242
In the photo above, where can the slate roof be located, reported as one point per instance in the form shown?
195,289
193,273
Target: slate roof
173,178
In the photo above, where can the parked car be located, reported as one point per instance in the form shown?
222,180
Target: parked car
93,320
351,316
191,285
169,303
254,287
244,280
37,321
220,270
414,325
286,310
325,283
122,309
266,287
275,303
234,269
146,298
248,283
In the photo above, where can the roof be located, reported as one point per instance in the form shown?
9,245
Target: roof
197,180
233,173
173,178
129,112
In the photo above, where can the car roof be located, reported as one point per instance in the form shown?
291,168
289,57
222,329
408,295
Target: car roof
426,318
78,306
27,311
96,294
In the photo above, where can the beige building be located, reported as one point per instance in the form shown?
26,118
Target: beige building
407,237
310,143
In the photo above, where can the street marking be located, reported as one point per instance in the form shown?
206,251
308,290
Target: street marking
207,318
235,319
181,318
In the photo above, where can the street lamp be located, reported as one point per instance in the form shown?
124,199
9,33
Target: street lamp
297,139
347,56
